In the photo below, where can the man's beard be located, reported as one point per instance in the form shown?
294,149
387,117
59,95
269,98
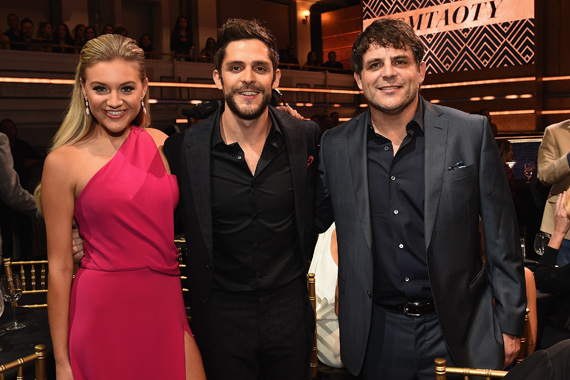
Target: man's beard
250,112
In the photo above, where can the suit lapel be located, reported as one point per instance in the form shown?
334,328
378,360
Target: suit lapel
296,142
197,151
435,129
356,145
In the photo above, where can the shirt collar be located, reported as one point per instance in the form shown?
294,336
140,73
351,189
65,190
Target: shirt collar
417,120
273,132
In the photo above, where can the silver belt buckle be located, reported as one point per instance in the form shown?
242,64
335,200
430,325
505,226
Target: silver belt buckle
408,313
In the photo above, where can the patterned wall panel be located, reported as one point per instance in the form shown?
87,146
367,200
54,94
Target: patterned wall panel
489,46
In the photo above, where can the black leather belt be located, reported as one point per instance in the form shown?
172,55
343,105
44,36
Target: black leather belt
413,309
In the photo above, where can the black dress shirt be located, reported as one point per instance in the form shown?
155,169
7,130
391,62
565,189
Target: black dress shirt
256,244
397,195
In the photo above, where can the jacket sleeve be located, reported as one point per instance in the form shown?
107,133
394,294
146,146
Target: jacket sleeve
172,149
552,164
11,192
549,278
323,210
504,260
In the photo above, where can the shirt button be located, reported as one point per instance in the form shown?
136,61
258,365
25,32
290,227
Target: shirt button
239,157
393,178
369,293
400,246
396,212
407,279
386,148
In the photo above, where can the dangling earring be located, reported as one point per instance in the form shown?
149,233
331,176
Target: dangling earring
143,107
87,107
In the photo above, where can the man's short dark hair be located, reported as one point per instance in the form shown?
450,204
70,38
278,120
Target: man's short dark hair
386,32
236,29
6,121
26,20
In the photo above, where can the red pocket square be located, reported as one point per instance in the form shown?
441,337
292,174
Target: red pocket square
310,161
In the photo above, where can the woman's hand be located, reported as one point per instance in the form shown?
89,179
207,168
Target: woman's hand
561,222
63,372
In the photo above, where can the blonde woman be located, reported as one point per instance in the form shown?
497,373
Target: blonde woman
123,317
550,277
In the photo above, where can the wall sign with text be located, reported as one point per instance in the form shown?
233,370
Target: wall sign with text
464,34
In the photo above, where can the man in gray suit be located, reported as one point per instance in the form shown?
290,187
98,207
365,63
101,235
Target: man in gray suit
11,192
407,183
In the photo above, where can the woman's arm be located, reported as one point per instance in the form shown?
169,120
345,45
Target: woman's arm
58,200
550,278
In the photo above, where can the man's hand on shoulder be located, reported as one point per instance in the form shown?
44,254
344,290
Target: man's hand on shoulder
77,244
287,109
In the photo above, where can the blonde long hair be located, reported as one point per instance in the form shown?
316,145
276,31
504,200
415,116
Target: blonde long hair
77,125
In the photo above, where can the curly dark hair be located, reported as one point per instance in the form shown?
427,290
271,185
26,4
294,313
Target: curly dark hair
386,32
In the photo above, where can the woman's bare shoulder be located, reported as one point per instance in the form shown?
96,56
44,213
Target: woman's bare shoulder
158,136
66,159
62,156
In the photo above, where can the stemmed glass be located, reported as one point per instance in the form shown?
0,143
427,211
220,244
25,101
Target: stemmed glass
528,170
12,291
540,242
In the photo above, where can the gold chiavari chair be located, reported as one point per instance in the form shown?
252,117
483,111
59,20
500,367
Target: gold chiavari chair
314,363
33,275
39,357
182,252
441,371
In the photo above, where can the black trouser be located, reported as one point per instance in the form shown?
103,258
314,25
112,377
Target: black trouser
401,347
260,337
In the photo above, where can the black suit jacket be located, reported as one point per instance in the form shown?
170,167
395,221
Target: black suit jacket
463,288
189,157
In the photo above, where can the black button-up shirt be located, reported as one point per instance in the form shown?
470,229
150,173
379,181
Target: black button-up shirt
256,245
396,185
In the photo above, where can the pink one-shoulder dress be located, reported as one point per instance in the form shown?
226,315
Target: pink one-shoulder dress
127,318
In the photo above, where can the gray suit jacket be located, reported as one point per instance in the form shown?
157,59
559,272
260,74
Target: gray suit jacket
463,288
11,192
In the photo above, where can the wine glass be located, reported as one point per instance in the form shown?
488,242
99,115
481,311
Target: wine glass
528,170
12,291
540,242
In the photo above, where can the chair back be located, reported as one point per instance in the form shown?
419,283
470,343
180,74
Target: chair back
39,357
33,275
182,253
314,363
525,339
180,244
